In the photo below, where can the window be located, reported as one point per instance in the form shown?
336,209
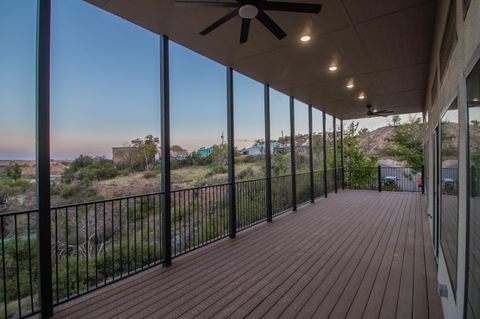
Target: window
473,284
449,134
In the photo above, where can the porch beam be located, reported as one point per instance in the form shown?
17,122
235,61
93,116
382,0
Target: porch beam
292,154
42,150
231,156
165,149
268,155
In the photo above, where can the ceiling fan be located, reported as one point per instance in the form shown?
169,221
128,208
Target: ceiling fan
374,112
250,9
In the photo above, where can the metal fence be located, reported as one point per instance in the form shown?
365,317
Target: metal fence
398,179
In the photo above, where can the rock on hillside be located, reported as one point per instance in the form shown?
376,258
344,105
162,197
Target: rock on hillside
375,142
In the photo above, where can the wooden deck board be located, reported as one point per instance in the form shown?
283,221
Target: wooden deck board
356,254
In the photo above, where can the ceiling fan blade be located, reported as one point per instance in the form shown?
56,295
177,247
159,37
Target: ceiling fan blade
209,4
270,25
219,22
244,30
292,7
383,112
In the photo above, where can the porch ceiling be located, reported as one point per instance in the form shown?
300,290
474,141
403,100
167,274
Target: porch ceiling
384,46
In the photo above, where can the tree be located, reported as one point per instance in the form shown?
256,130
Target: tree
408,142
14,172
146,150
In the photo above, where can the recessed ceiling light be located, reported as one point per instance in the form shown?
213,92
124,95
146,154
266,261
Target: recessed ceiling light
475,99
333,68
350,85
305,38
361,96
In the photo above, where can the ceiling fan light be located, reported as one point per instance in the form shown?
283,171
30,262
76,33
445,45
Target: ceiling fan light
333,68
305,38
248,11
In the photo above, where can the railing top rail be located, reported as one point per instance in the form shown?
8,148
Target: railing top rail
102,201
20,212
199,187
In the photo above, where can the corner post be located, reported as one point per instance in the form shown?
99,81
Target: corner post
231,156
42,150
268,155
342,154
165,149
325,183
292,154
310,150
335,154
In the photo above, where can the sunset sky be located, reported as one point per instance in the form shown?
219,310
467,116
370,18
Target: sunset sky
105,87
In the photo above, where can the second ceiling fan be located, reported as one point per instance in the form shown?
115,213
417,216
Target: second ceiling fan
252,9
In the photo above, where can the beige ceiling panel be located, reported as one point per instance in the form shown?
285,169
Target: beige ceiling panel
399,39
362,10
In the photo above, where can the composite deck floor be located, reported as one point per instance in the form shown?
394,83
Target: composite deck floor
356,254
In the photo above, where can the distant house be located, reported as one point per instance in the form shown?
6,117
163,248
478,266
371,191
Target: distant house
278,146
254,150
204,152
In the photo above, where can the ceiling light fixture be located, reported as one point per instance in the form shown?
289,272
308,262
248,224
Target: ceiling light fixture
305,38
350,85
332,68
248,11
361,96
475,99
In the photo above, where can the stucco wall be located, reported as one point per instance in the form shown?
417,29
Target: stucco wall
465,54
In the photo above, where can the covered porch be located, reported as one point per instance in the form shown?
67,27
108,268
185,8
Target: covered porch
355,254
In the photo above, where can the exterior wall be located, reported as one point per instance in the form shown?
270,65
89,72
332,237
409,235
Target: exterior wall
451,86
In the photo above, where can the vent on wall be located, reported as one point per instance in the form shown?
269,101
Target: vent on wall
449,38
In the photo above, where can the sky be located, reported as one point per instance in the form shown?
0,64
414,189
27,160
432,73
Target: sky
105,83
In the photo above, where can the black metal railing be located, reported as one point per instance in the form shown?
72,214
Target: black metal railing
399,179
199,217
19,275
318,181
99,242
303,188
281,194
330,180
250,198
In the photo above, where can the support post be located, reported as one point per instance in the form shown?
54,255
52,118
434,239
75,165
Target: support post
335,154
342,154
231,156
310,150
379,177
292,154
268,155
42,155
165,149
325,182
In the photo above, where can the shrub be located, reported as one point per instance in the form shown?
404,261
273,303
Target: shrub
149,174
